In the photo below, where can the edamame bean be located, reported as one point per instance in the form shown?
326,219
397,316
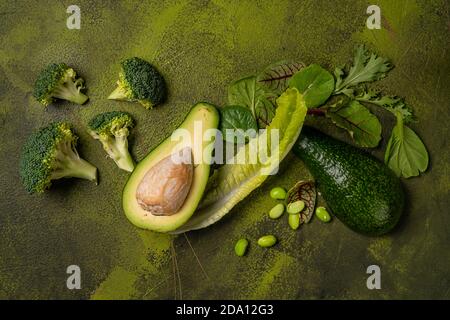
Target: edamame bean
323,214
295,207
294,221
276,211
241,247
278,193
267,241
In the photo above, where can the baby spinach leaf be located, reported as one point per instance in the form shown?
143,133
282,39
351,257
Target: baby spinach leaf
315,83
249,93
405,153
275,77
361,124
305,191
366,67
237,120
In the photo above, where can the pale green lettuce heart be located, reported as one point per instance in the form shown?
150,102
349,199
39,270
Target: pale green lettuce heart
231,183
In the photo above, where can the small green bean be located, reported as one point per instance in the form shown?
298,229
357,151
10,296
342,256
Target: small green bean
276,211
295,207
267,241
241,247
278,193
323,214
294,221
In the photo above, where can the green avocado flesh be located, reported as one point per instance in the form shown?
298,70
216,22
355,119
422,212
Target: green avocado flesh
362,192
202,117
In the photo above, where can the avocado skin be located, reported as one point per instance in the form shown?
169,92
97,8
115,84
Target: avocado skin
361,191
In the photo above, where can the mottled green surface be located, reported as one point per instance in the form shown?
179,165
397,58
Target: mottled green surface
200,47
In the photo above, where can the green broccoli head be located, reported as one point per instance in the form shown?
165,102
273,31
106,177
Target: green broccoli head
50,154
112,130
140,81
59,81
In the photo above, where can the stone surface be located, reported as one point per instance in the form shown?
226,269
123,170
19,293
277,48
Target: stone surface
200,47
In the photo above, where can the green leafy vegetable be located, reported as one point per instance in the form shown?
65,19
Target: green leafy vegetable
275,77
59,81
231,183
405,153
50,154
248,93
315,83
361,124
390,103
112,130
306,192
375,98
140,81
366,67
237,120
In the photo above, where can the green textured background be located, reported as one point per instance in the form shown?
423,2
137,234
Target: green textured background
200,47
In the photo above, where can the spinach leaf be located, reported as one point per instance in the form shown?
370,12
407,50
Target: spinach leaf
315,83
249,93
275,77
305,191
361,124
234,123
405,153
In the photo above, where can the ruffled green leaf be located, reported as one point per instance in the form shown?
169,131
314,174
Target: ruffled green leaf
366,67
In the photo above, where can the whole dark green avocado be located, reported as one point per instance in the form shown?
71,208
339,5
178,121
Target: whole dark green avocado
361,191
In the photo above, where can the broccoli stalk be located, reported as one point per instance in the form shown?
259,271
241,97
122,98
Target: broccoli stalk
112,130
140,81
122,91
51,154
61,82
69,88
119,93
68,164
117,148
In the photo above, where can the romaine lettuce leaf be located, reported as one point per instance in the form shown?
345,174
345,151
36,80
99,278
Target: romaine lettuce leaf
231,183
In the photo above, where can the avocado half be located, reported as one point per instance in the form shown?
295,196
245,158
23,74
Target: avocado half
202,117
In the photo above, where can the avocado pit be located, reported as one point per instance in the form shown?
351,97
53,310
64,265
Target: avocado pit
164,188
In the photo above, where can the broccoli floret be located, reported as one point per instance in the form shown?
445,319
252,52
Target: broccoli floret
51,154
112,130
140,81
58,80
